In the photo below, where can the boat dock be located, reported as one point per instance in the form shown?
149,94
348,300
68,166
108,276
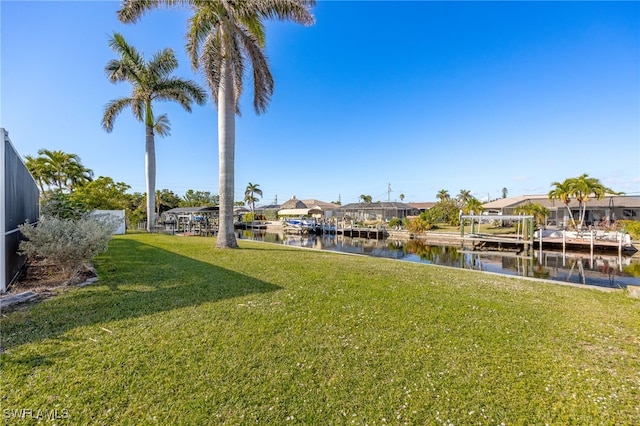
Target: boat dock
376,233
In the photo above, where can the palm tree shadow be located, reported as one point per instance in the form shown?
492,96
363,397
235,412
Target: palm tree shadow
132,286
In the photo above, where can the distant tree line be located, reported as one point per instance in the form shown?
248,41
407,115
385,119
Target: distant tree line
68,190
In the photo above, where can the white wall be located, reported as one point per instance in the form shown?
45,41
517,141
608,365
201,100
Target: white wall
118,214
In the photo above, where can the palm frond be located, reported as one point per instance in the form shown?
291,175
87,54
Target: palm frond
130,66
263,84
201,25
211,63
133,10
162,126
112,110
183,91
298,11
163,63
138,107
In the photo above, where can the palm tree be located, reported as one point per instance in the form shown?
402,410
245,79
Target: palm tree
250,195
37,166
58,169
538,211
463,196
222,36
151,81
562,191
472,204
401,198
583,188
442,195
505,191
366,198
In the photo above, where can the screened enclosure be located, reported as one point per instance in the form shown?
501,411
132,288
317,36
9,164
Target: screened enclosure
19,204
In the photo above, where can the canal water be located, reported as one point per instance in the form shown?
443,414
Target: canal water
601,269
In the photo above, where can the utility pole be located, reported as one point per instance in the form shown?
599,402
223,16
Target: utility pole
389,192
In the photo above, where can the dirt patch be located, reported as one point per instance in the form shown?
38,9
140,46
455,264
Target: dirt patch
44,278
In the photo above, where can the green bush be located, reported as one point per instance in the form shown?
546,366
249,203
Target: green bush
631,227
395,223
67,243
63,206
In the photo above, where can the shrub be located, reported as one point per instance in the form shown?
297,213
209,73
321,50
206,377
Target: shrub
67,243
62,205
632,227
395,223
421,223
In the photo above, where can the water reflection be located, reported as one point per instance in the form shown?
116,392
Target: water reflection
604,270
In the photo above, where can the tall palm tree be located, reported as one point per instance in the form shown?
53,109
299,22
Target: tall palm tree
442,195
562,191
151,81
250,195
505,191
222,37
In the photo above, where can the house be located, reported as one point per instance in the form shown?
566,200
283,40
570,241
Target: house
423,207
605,210
312,207
378,212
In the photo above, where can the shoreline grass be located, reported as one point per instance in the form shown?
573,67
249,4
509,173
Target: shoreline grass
177,332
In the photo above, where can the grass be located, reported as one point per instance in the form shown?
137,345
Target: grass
176,332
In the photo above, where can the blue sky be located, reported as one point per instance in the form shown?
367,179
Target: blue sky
420,96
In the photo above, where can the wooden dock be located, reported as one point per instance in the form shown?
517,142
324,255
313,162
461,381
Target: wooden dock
362,232
492,242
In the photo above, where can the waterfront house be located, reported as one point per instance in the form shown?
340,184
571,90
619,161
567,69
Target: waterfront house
605,210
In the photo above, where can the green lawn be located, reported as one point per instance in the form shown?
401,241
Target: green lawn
177,332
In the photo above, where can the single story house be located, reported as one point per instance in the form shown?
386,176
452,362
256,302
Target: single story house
378,212
605,210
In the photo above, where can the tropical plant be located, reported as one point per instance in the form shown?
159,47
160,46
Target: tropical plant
151,81
166,200
401,197
631,227
198,198
62,205
395,223
463,196
442,195
422,223
58,170
505,191
583,188
366,198
446,211
222,37
538,211
104,194
250,195
472,204
562,191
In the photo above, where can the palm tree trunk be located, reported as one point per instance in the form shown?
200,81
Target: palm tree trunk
571,216
226,157
150,168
